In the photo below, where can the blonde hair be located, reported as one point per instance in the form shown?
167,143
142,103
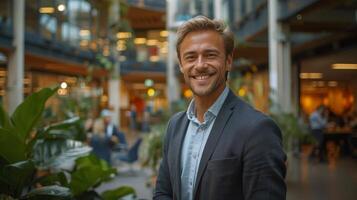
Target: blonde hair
99,127
200,23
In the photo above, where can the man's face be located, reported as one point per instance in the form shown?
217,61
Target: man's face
204,63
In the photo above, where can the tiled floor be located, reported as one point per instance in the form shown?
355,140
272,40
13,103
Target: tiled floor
309,180
306,179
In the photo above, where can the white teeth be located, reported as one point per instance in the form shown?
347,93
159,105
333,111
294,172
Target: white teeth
201,77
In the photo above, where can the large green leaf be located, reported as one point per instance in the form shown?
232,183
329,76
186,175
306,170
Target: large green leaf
53,179
15,177
64,125
118,193
89,173
48,193
12,148
56,153
28,112
4,119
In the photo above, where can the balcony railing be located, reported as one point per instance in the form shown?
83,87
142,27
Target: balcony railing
151,4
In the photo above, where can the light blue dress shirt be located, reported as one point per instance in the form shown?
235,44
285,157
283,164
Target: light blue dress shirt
194,143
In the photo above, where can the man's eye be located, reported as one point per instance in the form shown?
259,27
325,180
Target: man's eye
211,55
189,58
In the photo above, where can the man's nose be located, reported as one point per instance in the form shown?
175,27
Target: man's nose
201,63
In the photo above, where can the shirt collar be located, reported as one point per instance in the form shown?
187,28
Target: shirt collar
214,109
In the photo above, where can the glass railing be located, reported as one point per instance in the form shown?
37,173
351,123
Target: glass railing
153,4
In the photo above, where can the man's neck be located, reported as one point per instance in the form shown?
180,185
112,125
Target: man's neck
203,103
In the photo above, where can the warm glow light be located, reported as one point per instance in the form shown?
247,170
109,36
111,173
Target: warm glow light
242,92
140,40
188,93
46,10
121,47
154,58
61,7
310,75
151,42
164,33
64,85
151,92
344,66
104,98
62,91
163,50
84,43
124,35
84,32
332,83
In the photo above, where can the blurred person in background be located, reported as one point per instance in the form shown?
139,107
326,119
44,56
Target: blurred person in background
105,136
318,122
221,147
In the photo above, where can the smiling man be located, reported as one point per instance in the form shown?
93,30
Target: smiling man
220,148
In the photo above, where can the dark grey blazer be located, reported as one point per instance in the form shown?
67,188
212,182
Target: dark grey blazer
243,157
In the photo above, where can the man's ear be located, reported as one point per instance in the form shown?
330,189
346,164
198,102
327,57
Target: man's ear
181,70
229,62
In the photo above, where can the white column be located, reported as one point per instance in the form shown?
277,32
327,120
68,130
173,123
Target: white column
15,88
114,82
238,10
279,59
218,9
173,85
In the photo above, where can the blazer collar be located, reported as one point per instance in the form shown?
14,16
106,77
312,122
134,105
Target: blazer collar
216,132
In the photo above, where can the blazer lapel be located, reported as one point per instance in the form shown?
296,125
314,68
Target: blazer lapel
216,132
181,127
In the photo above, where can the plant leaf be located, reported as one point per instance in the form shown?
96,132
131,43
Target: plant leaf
16,176
28,112
118,193
66,124
53,179
4,119
49,192
12,148
90,172
56,153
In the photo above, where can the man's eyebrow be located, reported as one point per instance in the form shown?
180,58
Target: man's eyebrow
204,51
188,53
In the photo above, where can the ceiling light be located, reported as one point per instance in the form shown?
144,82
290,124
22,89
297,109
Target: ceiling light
154,58
84,32
123,35
64,85
151,42
61,7
310,75
332,83
140,40
344,66
164,33
46,10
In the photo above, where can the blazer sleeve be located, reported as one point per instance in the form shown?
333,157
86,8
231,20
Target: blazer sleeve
264,166
163,189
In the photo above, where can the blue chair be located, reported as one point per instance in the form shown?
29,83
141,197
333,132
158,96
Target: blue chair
132,154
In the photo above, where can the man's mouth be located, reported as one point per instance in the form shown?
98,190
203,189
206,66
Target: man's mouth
201,77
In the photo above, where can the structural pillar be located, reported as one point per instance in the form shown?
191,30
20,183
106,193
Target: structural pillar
15,77
114,80
279,59
173,85
218,9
